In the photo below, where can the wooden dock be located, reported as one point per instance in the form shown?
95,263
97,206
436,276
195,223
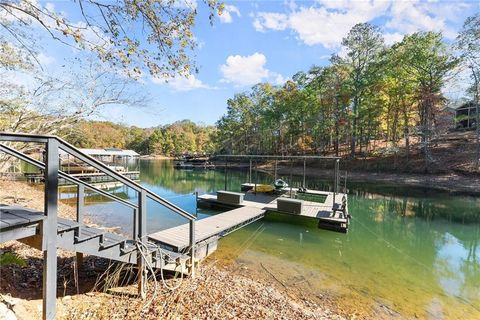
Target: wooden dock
253,207
218,225
268,202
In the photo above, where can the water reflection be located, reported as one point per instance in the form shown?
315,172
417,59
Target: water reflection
413,250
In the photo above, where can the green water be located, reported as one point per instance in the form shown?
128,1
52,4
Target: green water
411,253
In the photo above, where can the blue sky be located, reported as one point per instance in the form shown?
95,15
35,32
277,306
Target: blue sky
267,41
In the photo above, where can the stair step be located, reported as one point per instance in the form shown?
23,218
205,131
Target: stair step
128,247
64,225
88,234
110,240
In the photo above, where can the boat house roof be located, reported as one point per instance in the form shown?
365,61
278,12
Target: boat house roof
109,152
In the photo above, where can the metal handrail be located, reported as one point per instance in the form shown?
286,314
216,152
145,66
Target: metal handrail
50,166
67,147
41,165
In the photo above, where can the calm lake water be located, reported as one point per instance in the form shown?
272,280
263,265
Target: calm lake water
409,253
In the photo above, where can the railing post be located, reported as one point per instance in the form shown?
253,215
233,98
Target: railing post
192,247
335,180
49,231
135,224
196,203
142,232
80,207
78,232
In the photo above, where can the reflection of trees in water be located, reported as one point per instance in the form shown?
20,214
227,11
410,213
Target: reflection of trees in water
419,203
445,254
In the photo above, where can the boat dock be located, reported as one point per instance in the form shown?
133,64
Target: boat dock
246,208
91,177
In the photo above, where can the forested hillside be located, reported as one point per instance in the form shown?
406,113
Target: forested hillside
179,137
373,95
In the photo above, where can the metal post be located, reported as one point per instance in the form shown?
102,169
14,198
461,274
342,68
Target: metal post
275,170
135,224
80,206
250,172
192,247
226,165
142,232
196,203
304,170
335,180
291,182
256,177
49,231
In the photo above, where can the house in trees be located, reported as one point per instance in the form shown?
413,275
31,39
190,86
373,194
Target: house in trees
466,116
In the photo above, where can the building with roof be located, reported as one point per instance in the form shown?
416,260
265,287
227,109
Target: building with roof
466,115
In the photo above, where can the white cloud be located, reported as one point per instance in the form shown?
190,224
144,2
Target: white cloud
407,17
228,12
326,22
248,70
270,20
180,83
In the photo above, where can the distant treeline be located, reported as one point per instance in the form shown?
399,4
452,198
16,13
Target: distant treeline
176,138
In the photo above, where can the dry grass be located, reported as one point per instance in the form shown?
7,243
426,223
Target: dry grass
213,294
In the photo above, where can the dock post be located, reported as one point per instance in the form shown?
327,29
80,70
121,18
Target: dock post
250,172
275,170
256,177
196,203
49,231
142,231
226,166
291,182
304,171
335,180
192,247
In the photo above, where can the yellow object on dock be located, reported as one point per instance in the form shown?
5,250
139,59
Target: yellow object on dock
263,188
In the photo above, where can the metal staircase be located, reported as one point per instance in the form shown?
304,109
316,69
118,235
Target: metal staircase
47,232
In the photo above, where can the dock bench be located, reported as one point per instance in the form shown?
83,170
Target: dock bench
229,197
290,205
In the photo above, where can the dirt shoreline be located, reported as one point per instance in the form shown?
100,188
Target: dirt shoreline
215,293
451,182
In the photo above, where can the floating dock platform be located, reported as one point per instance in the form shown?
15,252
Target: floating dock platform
246,208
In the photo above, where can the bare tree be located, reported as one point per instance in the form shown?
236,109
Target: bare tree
50,105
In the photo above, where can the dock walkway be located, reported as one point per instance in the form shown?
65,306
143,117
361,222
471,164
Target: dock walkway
218,225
